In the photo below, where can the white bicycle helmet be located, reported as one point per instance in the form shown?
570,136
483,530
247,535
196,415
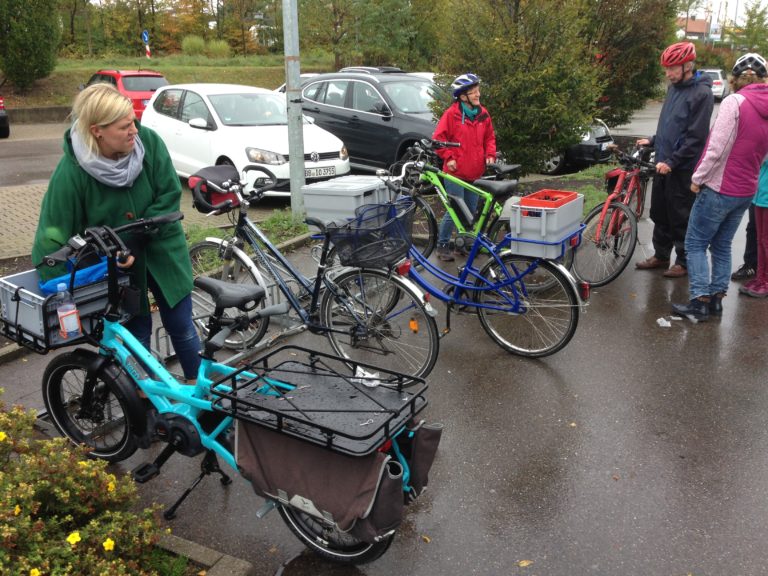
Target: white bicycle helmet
464,83
752,62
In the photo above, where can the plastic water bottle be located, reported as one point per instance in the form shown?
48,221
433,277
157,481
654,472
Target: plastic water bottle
69,317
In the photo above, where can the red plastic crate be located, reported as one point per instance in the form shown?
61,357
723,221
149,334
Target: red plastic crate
548,198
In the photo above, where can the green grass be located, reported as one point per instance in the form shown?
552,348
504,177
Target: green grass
279,226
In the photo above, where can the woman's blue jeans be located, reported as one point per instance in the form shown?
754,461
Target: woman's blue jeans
712,225
178,323
446,225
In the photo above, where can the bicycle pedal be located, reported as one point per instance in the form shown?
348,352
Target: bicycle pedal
145,472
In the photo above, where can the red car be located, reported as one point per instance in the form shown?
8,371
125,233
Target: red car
138,85
5,125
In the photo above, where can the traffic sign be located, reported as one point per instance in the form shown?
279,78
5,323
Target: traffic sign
145,37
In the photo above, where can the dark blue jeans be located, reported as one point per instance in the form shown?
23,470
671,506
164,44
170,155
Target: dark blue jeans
178,323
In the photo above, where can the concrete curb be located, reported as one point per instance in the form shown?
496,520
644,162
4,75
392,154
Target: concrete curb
11,352
215,563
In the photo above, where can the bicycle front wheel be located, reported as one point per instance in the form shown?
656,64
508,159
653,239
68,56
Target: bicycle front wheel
331,543
607,244
534,316
424,234
99,419
376,318
216,259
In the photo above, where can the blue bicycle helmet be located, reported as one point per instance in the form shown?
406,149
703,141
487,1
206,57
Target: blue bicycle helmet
464,83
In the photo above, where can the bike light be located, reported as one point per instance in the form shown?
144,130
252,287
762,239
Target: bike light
574,241
585,289
403,267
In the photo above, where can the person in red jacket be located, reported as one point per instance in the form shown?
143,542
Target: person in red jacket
468,123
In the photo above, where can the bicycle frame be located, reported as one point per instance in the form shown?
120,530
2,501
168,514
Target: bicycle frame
634,191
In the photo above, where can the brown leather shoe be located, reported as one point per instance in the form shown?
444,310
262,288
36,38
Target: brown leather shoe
652,263
676,271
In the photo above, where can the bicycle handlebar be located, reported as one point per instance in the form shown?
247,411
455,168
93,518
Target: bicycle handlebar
631,159
225,179
106,239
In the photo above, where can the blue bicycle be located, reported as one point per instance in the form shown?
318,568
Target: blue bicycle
287,408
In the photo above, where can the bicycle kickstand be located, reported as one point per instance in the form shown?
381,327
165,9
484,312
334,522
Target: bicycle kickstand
208,465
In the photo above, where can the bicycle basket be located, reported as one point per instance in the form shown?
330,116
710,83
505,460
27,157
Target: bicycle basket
378,236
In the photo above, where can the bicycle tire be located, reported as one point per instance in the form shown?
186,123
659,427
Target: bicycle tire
601,263
394,330
549,311
331,543
500,227
104,426
424,227
208,260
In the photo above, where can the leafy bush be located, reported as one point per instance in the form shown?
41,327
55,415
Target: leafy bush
193,45
218,49
62,513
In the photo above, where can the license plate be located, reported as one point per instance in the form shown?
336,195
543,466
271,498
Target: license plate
320,172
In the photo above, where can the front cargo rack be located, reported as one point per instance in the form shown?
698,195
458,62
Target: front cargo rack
346,406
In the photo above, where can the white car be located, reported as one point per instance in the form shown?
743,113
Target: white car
720,86
208,124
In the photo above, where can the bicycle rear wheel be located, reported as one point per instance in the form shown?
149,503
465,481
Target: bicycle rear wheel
330,542
216,259
103,423
607,244
378,319
548,311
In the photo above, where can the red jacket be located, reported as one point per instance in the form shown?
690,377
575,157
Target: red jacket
476,137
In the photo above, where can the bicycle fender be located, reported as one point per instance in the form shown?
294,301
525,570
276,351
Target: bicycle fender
414,288
251,266
105,367
571,280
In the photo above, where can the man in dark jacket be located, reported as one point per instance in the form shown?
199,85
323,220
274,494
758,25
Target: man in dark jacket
679,141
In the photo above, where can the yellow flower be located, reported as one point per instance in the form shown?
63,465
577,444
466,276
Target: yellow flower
17,510
3,436
73,538
111,487
109,544
34,572
83,463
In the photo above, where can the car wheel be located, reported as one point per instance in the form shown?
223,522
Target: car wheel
5,131
554,165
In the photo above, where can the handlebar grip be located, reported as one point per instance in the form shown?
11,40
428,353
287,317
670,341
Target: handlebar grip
165,218
316,222
266,172
200,201
59,257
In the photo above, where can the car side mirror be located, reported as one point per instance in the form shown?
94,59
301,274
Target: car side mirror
383,109
199,123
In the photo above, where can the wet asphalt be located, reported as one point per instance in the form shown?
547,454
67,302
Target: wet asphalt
637,449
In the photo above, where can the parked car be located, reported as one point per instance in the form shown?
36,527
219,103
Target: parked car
209,124
302,79
592,149
138,85
5,123
720,86
377,112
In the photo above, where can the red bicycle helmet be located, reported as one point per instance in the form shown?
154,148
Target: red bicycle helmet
678,54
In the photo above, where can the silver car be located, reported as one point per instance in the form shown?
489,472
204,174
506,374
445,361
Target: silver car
720,86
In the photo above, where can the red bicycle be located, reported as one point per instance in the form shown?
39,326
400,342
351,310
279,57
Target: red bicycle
609,239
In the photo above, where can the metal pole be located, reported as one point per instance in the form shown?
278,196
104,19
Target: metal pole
293,101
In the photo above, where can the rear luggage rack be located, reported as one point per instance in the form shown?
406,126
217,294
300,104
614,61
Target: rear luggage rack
346,406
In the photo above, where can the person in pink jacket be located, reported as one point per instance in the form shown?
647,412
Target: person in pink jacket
468,123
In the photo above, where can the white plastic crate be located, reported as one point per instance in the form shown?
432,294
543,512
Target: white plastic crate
29,316
540,231
335,200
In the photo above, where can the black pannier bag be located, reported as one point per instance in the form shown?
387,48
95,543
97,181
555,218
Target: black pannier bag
361,495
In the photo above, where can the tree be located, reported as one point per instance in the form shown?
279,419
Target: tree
331,24
540,80
29,37
625,39
752,36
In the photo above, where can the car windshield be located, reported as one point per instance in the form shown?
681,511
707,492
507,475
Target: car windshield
411,97
143,83
714,75
250,109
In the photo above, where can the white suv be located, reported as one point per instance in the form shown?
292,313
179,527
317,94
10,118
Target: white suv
720,86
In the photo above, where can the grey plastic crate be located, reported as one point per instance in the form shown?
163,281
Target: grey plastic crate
540,232
335,200
30,318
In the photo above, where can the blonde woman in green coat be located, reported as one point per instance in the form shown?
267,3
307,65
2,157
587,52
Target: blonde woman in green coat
114,171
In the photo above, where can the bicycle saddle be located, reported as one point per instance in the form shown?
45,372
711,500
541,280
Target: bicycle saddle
226,295
499,188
